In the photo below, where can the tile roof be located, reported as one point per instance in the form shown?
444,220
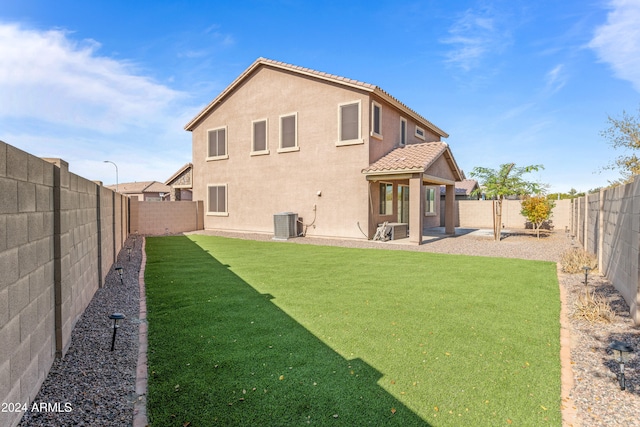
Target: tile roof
317,74
464,187
141,187
178,173
157,187
412,157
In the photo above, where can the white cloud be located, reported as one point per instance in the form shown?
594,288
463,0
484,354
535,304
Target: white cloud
60,97
49,77
555,79
473,36
617,42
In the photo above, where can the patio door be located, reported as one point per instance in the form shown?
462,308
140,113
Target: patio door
403,204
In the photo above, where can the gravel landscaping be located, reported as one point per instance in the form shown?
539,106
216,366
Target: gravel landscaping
100,384
97,385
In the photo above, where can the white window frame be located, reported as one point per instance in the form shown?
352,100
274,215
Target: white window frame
226,200
377,135
296,147
255,152
226,143
358,139
419,129
403,134
385,213
427,189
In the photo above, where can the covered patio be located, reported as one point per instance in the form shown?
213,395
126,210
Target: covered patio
404,190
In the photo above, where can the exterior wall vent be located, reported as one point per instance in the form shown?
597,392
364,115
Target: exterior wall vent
285,225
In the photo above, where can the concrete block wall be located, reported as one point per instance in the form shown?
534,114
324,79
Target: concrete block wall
593,217
158,218
479,214
27,312
52,244
608,225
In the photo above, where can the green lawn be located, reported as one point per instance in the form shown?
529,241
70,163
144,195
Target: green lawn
274,334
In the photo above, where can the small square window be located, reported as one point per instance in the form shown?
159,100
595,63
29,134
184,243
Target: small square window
420,133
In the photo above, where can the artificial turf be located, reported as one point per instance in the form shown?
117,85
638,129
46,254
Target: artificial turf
275,334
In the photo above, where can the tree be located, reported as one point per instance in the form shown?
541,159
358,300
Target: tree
537,210
624,134
504,182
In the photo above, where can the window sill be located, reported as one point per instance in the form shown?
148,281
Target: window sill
350,142
259,153
376,136
430,214
217,213
211,159
288,149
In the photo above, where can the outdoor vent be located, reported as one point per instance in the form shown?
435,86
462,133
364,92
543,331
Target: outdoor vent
285,225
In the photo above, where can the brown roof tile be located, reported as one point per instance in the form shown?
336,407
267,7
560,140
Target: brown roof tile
411,157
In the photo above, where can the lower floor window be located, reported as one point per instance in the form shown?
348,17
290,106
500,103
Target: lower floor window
429,201
217,202
386,199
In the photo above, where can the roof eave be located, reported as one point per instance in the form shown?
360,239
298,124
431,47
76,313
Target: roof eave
417,117
281,66
393,171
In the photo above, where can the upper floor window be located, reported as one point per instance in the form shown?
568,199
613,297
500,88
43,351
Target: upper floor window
259,144
289,133
217,144
403,131
420,133
349,126
376,120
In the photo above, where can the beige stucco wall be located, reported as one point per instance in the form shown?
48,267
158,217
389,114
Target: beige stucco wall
391,131
260,186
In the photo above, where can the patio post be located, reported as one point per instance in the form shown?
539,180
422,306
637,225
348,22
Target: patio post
449,209
416,209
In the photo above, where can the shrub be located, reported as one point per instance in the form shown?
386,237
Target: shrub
593,308
574,259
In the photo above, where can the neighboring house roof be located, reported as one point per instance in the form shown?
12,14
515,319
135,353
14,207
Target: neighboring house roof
463,188
141,187
261,62
413,158
182,177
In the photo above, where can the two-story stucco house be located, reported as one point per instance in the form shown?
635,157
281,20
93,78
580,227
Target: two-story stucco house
342,154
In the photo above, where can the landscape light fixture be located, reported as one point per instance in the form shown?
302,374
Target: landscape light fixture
621,352
120,272
129,252
109,161
586,269
115,317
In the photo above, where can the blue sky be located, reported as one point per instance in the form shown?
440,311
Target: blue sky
530,82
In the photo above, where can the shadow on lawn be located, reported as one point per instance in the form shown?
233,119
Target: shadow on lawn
221,353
